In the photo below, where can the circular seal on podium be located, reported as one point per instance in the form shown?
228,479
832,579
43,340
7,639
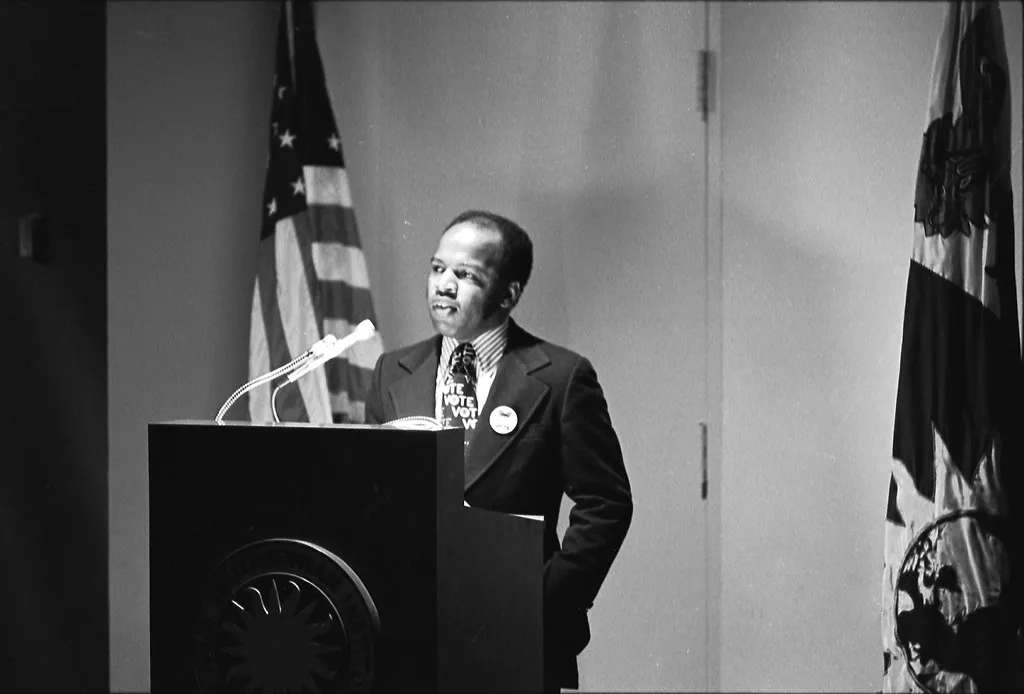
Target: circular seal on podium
285,615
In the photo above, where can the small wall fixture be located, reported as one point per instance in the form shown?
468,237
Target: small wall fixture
32,237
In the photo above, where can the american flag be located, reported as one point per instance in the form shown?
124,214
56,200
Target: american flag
311,277
952,583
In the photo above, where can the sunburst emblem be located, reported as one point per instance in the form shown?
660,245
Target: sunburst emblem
286,617
287,638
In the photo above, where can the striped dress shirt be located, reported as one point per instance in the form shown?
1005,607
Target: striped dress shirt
489,347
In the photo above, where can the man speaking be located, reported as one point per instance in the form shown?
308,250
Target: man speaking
536,420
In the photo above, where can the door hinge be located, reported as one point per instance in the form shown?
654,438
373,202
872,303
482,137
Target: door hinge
706,83
703,460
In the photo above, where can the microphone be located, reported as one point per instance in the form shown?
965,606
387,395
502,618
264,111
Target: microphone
363,331
320,346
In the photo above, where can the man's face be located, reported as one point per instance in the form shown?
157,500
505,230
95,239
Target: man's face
463,289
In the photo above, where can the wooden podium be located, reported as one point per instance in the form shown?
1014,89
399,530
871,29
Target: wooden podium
294,557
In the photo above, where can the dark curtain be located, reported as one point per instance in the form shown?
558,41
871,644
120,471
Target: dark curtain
54,624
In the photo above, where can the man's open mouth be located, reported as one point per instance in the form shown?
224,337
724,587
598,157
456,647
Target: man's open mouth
444,309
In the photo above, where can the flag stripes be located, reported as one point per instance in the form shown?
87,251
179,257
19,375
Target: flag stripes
312,276
340,402
335,262
327,185
332,225
344,300
298,318
259,350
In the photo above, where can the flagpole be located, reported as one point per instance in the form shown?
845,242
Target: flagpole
290,26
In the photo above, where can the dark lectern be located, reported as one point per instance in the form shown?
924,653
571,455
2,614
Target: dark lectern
292,557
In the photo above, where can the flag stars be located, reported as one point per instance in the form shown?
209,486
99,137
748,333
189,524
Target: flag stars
272,207
280,92
287,139
334,143
299,187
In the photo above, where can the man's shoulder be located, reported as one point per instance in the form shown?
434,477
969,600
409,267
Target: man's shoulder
520,339
415,347
561,358
410,354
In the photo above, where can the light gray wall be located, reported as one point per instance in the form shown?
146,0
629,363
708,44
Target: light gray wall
822,116
823,109
403,90
563,116
188,107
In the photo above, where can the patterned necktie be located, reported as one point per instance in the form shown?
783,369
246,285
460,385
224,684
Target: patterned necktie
459,407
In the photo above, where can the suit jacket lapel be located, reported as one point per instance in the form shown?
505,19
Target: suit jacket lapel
414,394
514,387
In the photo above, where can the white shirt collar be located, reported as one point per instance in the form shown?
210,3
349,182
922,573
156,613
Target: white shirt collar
489,347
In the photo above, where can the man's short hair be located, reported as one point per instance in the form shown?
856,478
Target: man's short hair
516,261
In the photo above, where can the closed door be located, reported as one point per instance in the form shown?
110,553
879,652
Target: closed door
635,288
581,122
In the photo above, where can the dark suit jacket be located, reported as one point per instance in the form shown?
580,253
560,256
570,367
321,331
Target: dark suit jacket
563,442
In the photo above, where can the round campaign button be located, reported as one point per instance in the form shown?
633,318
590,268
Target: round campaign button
503,419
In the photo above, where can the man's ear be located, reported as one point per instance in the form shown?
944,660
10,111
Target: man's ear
512,294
